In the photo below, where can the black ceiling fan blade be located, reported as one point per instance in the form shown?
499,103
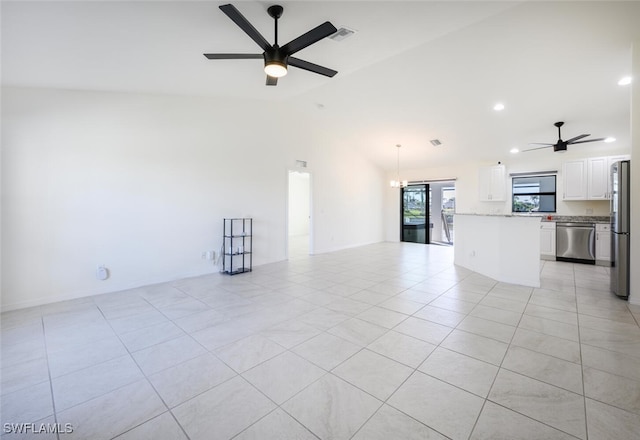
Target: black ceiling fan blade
244,24
271,81
306,65
233,56
307,39
539,148
573,139
590,140
541,143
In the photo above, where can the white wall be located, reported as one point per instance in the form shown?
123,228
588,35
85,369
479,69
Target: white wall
347,200
140,183
299,206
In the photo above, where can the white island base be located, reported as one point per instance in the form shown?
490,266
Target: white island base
505,248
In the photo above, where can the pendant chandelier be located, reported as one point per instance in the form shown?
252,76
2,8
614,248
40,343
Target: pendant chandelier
398,183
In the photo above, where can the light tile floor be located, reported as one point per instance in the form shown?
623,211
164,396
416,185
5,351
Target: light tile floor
387,341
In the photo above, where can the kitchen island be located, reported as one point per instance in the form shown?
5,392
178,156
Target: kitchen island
503,247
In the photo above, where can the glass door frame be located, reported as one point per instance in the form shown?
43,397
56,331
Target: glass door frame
427,223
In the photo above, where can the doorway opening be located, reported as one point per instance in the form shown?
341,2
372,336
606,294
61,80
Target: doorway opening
443,205
427,211
299,215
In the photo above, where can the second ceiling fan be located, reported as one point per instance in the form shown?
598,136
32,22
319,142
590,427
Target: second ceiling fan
276,58
560,145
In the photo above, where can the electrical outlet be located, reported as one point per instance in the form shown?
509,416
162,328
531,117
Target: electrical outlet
589,211
209,255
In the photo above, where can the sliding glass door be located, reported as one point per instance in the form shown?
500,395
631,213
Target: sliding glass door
414,213
442,209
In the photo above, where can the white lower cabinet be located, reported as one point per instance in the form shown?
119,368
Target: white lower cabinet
603,244
548,240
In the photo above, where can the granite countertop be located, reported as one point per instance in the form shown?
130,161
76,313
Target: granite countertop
577,218
500,215
550,217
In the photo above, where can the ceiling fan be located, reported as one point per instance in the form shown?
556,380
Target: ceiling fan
276,58
561,145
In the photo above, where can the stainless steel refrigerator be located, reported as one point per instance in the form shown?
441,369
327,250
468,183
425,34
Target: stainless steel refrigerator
620,222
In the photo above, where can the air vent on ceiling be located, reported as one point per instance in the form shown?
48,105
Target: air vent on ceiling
342,33
435,142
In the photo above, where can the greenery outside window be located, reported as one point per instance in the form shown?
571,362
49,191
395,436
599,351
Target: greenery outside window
534,194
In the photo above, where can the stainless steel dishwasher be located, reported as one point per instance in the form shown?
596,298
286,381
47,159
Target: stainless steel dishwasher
576,242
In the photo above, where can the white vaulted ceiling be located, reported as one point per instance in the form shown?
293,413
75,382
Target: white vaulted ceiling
414,71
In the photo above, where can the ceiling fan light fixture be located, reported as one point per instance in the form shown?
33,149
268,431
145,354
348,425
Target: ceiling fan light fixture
514,151
275,69
276,59
610,139
560,148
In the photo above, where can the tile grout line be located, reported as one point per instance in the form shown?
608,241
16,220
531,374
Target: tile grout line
416,370
501,367
493,382
148,381
46,351
584,393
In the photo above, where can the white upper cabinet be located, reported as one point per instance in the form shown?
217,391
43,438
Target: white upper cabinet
493,183
588,179
598,178
574,178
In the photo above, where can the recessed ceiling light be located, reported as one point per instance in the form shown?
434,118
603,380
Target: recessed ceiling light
624,81
514,151
498,107
610,139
